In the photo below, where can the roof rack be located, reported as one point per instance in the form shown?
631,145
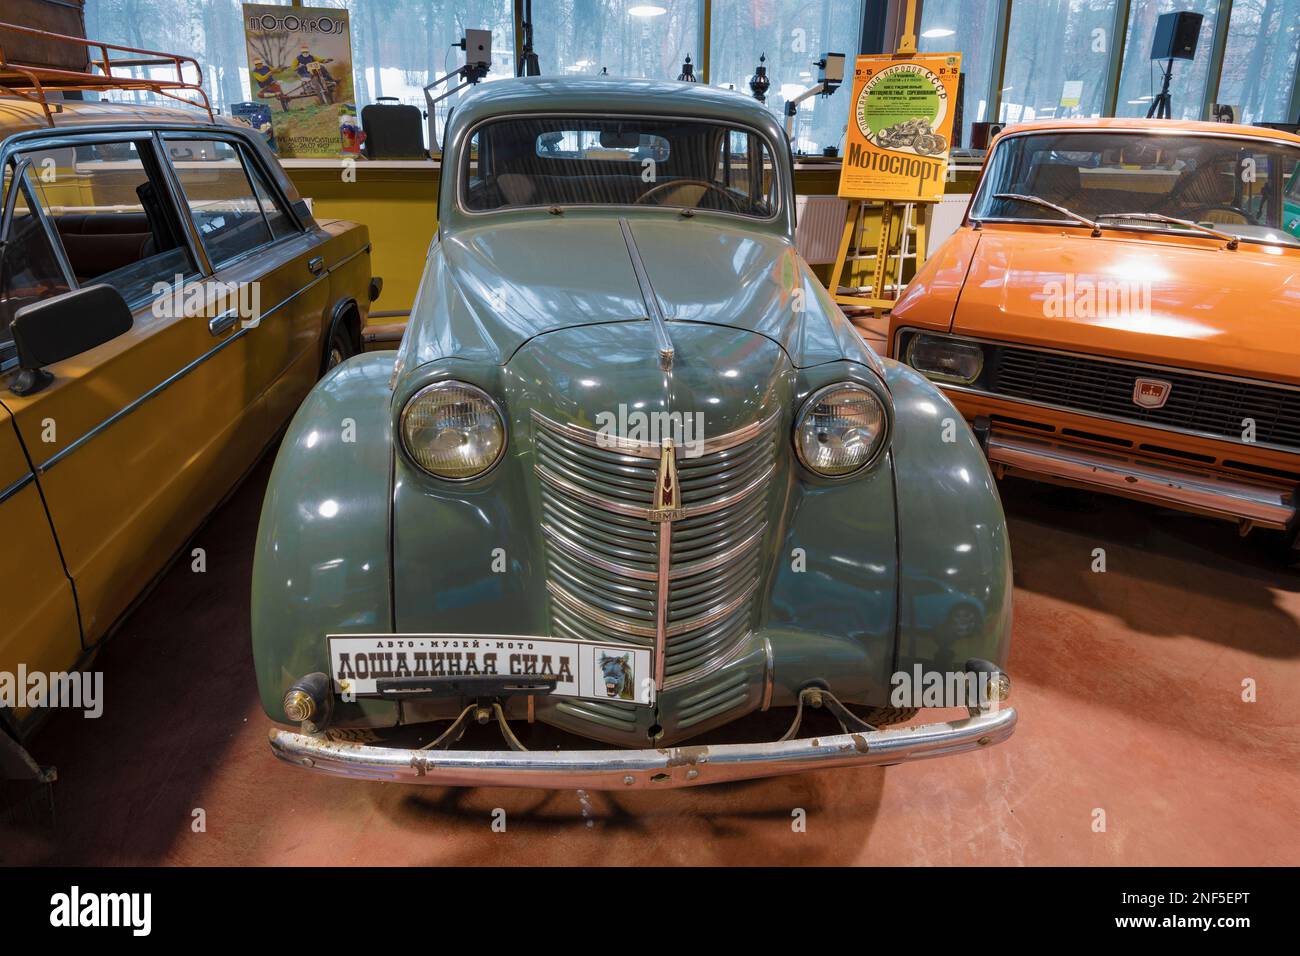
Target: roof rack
33,83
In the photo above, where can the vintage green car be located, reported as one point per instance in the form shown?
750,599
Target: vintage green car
631,474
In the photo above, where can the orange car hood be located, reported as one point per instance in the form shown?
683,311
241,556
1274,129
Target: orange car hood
1189,303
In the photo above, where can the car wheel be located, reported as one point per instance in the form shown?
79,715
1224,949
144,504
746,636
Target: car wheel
880,716
340,347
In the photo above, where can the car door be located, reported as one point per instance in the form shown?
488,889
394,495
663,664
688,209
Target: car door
39,630
134,441
255,244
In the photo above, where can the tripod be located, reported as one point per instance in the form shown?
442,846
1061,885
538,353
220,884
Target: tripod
1160,106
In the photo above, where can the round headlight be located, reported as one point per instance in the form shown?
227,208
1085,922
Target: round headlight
453,430
840,430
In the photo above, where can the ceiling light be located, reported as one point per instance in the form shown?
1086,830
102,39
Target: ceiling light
646,10
936,33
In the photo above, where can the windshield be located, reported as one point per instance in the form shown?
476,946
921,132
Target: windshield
1237,186
618,161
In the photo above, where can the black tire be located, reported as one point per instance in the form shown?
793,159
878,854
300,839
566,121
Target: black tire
881,716
339,348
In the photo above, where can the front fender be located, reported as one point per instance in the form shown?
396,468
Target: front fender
321,563
954,555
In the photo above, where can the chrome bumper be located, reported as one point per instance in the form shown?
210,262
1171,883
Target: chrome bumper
1205,493
637,769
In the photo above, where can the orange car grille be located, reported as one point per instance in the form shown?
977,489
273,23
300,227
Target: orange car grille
1204,404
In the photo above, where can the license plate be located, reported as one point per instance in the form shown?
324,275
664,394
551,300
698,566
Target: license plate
582,669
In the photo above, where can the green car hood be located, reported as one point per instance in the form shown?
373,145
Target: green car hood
488,290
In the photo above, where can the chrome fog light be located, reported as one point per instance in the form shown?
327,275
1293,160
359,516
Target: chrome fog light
840,430
453,431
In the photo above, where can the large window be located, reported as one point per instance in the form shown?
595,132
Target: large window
1058,56
968,27
1140,79
398,46
210,31
1259,63
638,38
791,34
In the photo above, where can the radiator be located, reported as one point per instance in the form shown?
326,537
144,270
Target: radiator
821,225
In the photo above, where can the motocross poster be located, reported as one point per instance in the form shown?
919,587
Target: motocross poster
300,67
900,127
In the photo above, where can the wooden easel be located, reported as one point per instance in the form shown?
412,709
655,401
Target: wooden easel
895,224
894,246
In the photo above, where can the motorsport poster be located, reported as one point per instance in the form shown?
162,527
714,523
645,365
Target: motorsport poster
900,127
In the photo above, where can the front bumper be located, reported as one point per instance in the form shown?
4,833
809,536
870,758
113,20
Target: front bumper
1191,490
641,769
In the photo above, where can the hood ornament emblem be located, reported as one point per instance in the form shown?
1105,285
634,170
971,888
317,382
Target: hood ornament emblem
667,504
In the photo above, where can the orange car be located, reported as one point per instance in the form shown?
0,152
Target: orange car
1120,311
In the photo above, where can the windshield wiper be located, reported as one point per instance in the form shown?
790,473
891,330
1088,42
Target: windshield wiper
1039,201
1232,241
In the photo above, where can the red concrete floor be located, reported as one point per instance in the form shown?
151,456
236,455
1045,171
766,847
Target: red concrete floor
1128,685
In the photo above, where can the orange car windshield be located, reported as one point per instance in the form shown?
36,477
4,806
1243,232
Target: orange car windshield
1231,184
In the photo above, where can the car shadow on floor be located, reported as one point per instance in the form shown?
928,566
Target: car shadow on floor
824,817
1167,574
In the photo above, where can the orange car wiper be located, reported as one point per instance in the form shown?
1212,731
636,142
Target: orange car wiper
1232,241
1039,201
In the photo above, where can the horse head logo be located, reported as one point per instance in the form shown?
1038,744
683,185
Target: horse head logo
617,674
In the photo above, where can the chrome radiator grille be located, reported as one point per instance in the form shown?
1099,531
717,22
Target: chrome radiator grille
608,552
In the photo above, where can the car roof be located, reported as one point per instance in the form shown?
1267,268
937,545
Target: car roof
1134,124
18,115
602,94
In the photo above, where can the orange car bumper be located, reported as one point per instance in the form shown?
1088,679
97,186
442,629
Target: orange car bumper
1201,491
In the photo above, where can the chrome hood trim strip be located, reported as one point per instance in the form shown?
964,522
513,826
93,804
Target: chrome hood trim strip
654,311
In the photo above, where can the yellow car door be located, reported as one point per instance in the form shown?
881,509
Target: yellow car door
134,441
257,247
39,631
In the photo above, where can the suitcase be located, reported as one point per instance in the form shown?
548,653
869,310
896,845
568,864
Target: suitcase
393,131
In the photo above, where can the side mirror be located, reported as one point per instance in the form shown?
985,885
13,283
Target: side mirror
62,326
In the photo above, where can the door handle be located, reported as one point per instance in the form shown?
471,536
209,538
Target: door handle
223,322
316,265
